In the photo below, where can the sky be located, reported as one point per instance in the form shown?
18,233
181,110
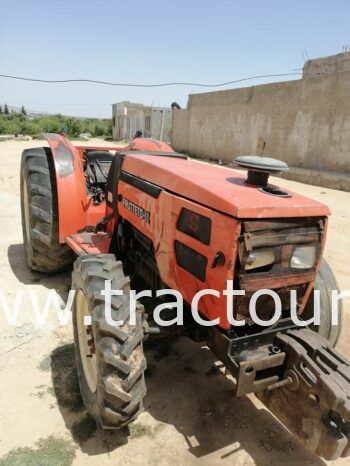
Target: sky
153,42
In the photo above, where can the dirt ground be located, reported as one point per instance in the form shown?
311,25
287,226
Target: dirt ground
190,415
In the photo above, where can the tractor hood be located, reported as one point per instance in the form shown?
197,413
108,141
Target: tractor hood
220,188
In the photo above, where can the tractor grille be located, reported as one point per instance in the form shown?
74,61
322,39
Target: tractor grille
280,236
265,305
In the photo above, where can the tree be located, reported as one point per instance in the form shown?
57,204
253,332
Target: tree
74,126
23,111
1,112
6,110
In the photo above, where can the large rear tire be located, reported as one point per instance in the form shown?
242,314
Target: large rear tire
110,359
40,213
325,282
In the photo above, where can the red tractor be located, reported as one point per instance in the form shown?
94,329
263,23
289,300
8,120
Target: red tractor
149,213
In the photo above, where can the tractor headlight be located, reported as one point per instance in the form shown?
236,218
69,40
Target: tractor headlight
303,257
260,258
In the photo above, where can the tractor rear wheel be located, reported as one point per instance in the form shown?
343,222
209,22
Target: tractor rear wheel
110,359
40,213
325,282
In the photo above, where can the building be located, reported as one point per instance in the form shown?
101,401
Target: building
129,117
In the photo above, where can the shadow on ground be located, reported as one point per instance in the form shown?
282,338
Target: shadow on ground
67,393
184,391
59,281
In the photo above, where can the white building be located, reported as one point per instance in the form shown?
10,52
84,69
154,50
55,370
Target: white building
129,117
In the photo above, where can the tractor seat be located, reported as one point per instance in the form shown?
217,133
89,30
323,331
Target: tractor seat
100,155
97,165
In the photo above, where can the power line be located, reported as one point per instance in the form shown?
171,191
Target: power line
106,83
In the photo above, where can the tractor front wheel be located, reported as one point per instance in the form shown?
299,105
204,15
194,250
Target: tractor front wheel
110,358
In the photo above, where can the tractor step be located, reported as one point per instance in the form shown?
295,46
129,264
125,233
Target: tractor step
88,242
313,398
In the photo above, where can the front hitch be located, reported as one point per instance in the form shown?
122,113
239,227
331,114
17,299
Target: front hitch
299,377
313,399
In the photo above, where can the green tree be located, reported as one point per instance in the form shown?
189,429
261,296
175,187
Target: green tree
98,130
23,111
6,110
73,125
1,112
16,122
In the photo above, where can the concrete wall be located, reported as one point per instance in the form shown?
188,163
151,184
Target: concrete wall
161,123
304,122
180,130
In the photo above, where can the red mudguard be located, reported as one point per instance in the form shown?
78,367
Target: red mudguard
75,208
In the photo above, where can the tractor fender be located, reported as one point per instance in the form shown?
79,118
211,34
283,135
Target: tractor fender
70,183
149,144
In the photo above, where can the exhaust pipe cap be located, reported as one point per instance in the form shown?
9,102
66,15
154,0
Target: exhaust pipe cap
260,168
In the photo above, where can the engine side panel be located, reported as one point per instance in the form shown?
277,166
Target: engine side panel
157,218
